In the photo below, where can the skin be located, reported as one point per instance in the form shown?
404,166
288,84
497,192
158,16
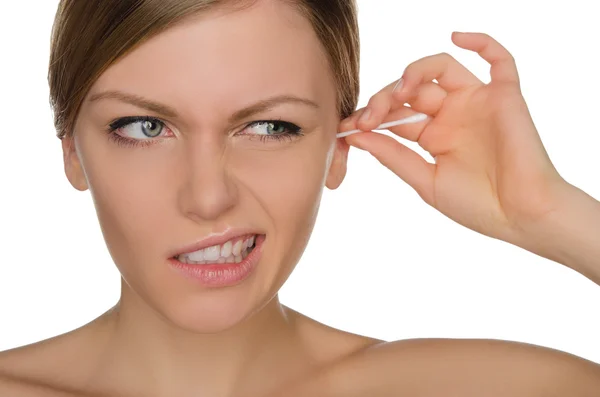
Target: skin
167,336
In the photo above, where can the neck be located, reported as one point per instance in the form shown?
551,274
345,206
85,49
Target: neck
148,355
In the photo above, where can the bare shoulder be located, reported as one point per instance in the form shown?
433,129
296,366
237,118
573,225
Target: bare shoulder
32,370
461,367
14,386
54,367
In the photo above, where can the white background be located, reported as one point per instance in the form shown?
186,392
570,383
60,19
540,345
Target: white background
381,262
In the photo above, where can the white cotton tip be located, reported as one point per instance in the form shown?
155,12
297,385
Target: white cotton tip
415,118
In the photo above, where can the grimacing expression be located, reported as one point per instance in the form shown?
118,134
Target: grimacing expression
182,176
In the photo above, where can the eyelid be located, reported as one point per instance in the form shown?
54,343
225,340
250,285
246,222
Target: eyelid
294,128
127,121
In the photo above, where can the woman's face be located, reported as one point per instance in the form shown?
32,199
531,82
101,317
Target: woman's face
206,168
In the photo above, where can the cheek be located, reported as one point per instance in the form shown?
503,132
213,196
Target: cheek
127,196
287,181
288,184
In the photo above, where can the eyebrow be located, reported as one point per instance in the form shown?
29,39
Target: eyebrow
164,110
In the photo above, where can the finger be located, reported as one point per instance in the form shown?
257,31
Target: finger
427,98
402,161
349,123
503,65
449,73
378,107
408,130
411,131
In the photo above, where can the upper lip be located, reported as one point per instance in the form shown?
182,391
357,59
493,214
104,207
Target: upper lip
216,239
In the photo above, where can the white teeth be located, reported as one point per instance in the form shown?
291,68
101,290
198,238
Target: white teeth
220,260
212,253
226,250
237,248
197,256
226,253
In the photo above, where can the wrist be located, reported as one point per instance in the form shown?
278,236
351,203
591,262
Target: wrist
570,234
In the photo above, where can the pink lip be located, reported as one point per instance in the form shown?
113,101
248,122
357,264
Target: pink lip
215,239
221,274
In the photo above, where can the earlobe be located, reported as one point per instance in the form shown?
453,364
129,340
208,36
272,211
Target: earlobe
337,170
73,168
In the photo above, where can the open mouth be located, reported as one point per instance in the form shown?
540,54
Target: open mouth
233,251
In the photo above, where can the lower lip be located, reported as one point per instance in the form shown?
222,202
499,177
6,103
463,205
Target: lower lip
221,274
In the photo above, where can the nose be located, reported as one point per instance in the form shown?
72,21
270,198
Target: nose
208,189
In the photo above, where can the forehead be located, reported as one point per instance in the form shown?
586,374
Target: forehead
230,58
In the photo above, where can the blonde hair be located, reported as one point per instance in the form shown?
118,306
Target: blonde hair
90,35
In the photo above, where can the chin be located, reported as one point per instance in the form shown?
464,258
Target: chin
186,302
214,311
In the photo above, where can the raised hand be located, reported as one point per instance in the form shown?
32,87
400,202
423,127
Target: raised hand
491,172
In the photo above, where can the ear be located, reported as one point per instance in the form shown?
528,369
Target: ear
73,168
337,170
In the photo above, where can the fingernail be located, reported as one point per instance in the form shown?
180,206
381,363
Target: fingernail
399,85
365,116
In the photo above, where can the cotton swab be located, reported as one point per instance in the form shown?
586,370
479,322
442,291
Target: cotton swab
415,118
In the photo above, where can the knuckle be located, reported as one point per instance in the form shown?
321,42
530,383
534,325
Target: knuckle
510,57
411,66
446,57
377,102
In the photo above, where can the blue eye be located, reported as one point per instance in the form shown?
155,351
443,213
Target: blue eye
275,129
142,130
139,127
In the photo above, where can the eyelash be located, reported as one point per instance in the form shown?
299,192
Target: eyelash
293,131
